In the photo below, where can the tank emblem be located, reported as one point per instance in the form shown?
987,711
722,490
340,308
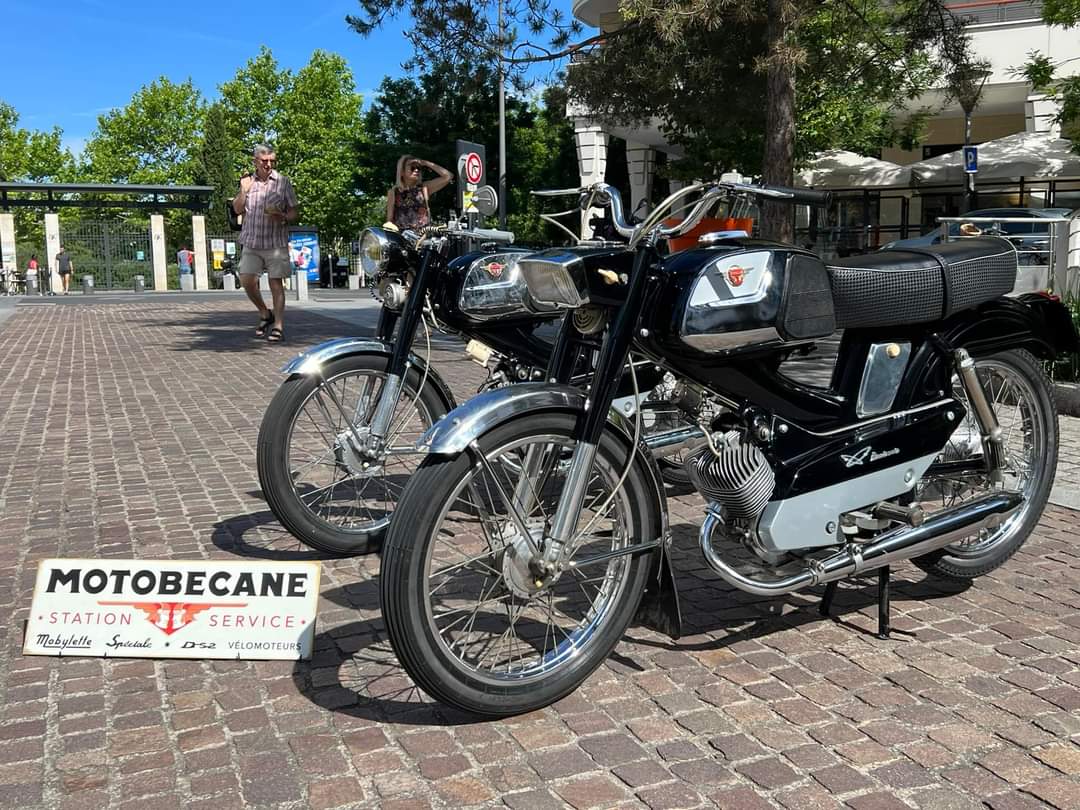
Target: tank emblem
495,269
735,275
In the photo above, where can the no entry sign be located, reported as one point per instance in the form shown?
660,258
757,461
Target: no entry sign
474,167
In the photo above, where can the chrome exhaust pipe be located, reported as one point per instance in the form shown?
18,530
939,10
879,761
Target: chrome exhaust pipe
903,543
671,442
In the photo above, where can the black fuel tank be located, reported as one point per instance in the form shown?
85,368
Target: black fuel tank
741,295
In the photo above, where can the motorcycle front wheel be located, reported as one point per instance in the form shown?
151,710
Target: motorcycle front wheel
321,489
470,620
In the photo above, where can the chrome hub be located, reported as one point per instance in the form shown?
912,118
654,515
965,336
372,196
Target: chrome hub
524,574
359,461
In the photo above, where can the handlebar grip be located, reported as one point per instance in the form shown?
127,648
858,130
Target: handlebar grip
492,234
804,196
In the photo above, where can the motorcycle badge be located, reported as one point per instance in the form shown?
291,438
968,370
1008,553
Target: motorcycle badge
495,269
736,275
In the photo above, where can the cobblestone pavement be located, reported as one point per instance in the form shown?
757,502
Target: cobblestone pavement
129,431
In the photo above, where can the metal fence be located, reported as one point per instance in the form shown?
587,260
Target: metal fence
112,252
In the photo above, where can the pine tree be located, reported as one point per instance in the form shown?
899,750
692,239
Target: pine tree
218,168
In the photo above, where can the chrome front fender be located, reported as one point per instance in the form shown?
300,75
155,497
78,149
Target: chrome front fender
463,425
312,362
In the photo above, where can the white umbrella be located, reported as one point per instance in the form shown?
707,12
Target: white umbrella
838,168
1026,154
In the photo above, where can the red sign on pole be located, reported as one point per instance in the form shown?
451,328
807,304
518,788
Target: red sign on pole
474,167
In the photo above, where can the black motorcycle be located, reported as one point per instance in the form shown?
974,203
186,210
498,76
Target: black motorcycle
337,442
536,529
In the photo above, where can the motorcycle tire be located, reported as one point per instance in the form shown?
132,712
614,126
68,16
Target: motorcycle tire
964,561
275,437
410,614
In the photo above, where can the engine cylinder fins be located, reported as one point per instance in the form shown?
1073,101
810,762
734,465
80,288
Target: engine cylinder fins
739,478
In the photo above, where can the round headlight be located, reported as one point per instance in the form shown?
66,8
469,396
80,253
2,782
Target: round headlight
374,251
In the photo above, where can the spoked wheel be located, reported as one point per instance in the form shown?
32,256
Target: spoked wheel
473,620
320,482
1022,398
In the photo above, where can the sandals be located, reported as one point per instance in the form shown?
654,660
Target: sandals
264,323
276,335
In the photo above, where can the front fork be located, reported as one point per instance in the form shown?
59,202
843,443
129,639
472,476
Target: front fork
373,440
616,347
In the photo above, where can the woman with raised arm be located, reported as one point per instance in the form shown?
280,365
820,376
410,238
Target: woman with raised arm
407,200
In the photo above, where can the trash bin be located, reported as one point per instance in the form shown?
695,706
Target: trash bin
139,284
187,282
31,283
87,284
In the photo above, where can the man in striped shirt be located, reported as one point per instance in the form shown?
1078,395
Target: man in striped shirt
267,201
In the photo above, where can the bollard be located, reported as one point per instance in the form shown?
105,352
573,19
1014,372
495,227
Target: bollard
139,284
264,282
31,283
354,281
300,285
87,284
228,282
187,282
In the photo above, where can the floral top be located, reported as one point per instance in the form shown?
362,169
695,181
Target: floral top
410,208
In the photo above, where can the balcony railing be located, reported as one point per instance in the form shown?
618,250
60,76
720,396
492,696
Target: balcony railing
979,12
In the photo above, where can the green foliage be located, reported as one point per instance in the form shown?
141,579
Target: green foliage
1066,368
320,124
217,167
1065,13
252,104
152,140
1041,72
31,156
426,113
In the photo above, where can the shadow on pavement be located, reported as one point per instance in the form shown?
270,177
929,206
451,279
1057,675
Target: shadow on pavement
259,535
354,670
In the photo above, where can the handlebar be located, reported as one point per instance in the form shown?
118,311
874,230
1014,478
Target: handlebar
803,196
489,235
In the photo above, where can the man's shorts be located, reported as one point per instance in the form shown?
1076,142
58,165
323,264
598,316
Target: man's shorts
272,261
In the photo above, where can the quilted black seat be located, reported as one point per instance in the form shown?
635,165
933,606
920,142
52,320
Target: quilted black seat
915,285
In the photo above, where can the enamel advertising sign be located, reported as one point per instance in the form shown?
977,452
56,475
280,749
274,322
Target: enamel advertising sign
247,609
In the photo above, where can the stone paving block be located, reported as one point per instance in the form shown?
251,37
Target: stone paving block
761,704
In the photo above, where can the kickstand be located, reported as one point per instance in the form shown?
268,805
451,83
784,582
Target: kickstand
826,600
883,603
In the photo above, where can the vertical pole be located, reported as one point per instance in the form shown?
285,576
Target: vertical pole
157,250
969,179
52,247
198,246
9,261
107,250
502,126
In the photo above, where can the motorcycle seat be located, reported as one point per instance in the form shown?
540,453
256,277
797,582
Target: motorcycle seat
917,285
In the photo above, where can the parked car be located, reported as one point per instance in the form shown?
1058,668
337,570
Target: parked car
1029,236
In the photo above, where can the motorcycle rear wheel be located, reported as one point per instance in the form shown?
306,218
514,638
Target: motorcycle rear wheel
467,619
1023,399
313,480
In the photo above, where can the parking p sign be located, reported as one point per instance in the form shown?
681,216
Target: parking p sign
971,159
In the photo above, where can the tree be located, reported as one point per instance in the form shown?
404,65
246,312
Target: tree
31,156
152,140
251,101
319,126
425,113
745,60
217,167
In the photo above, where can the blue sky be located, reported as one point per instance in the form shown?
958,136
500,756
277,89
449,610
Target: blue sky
68,61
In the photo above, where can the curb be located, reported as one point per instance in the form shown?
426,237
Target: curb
1067,396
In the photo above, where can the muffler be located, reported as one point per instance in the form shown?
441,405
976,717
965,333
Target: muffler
903,543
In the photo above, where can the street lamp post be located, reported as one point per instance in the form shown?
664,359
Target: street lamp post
968,85
502,126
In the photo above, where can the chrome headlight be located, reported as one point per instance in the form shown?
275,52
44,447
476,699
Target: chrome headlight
556,278
374,251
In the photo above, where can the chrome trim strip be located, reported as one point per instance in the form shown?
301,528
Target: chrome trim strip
876,419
